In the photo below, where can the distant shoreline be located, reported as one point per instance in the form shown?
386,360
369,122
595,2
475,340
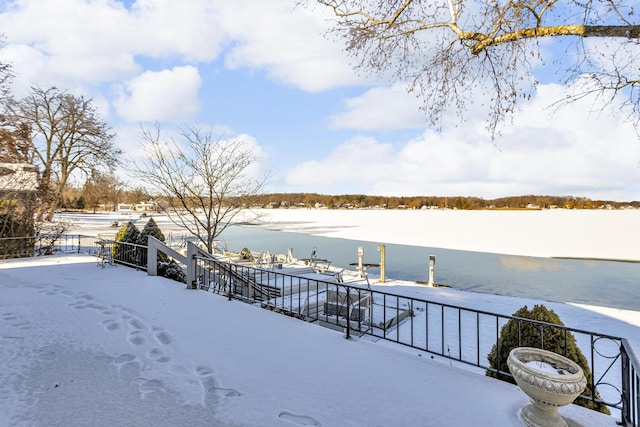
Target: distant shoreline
632,261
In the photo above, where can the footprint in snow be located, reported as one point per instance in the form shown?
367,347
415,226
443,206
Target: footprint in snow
136,324
301,420
135,338
158,356
203,371
164,338
226,392
78,305
110,325
210,385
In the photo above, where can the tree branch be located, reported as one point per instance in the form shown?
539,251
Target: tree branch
631,32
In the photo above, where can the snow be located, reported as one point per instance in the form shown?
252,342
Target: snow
545,368
83,345
574,233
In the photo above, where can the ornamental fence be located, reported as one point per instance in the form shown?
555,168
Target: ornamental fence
459,334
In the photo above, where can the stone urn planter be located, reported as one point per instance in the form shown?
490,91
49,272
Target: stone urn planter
550,380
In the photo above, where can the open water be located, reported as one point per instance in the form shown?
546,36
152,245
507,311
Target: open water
601,283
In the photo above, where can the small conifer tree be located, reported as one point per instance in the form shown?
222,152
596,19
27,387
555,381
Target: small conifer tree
517,333
128,233
150,229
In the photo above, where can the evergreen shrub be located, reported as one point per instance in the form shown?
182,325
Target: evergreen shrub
517,333
172,270
151,229
128,233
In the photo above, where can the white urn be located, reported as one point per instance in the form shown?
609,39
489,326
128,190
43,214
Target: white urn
550,380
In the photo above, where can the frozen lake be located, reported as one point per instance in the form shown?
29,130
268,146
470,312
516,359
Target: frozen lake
603,283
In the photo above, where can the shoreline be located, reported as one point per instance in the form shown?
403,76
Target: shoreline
324,223
631,261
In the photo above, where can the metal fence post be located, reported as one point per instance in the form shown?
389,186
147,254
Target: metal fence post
192,251
348,314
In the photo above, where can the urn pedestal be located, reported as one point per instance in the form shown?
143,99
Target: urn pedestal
550,380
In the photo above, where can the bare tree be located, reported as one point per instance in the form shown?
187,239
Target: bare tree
6,75
65,135
203,179
101,188
450,50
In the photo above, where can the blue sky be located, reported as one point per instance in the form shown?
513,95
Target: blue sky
263,71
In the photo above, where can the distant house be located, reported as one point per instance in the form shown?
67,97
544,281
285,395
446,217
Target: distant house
149,206
18,178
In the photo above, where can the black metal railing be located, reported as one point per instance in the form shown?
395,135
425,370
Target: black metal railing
453,332
108,250
460,334
45,244
124,253
630,385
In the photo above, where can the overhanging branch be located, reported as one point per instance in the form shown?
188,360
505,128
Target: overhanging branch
612,31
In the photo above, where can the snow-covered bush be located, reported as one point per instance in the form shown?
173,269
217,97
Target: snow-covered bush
524,334
172,270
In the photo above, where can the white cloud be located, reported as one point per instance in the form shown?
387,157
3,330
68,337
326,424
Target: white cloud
381,108
141,62
72,43
566,152
287,43
102,41
168,95
106,28
167,27
259,167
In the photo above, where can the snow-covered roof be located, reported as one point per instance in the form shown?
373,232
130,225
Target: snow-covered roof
18,177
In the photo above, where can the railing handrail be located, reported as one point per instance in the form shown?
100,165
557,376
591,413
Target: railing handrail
443,304
596,362
629,404
630,385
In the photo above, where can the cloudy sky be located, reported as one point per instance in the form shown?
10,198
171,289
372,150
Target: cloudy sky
263,71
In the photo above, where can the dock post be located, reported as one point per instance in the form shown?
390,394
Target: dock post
360,266
382,250
432,267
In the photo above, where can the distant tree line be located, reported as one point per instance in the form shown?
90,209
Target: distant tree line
108,193
361,201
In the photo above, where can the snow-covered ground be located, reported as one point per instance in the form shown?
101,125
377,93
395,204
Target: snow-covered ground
82,345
